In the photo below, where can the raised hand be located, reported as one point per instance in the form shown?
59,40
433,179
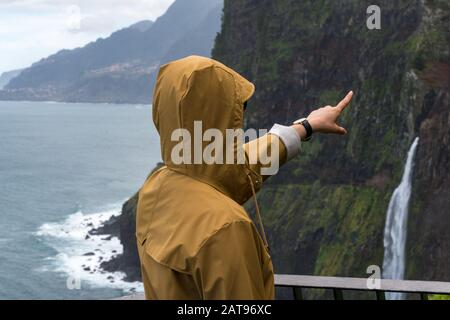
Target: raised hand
324,119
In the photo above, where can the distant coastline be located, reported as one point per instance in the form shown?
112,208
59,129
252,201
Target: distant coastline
107,71
75,102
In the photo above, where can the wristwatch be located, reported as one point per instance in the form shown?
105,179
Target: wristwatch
309,131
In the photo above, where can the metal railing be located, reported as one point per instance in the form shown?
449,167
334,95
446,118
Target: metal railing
340,284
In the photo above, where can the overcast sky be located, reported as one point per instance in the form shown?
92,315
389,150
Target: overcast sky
33,29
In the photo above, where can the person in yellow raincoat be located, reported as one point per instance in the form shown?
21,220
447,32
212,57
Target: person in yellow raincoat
195,240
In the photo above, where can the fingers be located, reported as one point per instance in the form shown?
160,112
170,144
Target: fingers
340,130
341,105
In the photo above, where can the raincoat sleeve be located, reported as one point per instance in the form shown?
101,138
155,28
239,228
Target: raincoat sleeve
261,152
231,265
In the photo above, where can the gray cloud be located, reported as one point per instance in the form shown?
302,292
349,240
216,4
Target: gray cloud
96,16
33,29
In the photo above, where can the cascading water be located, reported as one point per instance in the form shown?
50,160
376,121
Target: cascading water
396,224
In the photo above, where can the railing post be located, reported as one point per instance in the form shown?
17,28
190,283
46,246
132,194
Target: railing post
298,294
423,296
380,295
338,294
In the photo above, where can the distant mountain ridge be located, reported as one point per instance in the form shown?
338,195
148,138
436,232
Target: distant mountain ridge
143,25
122,67
6,77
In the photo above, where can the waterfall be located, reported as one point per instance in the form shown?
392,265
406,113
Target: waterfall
396,226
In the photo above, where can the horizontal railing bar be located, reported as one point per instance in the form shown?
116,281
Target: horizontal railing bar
347,283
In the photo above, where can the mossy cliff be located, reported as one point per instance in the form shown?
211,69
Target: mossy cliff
325,211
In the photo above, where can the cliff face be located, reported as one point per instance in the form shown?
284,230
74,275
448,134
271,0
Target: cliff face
124,226
325,211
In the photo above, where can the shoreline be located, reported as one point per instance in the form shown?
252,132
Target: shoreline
83,246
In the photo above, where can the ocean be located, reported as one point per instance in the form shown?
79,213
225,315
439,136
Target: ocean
64,169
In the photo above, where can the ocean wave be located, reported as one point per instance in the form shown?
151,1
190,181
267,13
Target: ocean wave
79,254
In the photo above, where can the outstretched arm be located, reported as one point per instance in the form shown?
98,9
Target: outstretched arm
287,138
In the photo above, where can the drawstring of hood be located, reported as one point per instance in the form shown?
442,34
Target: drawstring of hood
258,213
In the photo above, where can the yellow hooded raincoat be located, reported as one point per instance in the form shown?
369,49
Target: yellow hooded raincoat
195,240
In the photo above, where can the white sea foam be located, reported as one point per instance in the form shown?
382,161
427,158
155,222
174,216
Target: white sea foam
80,254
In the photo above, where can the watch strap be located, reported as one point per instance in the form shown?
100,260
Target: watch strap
305,123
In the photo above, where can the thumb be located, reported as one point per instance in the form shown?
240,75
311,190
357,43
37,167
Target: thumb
340,130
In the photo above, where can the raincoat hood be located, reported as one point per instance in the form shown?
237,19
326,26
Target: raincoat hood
202,89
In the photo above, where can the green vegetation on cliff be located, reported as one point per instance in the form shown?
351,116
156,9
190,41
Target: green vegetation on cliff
325,210
326,227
